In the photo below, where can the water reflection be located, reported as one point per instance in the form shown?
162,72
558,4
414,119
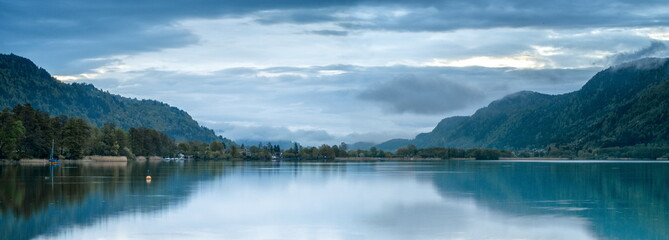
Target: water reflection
32,202
621,200
383,200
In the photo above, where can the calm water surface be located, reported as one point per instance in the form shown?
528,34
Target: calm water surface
375,200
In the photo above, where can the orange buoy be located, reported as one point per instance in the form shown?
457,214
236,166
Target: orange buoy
148,176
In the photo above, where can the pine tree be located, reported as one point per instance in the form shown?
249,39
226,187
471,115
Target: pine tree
77,134
11,133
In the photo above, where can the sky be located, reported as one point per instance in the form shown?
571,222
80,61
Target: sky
330,71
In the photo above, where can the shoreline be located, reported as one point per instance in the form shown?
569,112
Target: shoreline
351,159
357,159
123,160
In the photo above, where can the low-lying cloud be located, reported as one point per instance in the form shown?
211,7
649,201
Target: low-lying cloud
422,96
269,133
656,49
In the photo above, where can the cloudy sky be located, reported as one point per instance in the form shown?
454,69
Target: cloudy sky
330,71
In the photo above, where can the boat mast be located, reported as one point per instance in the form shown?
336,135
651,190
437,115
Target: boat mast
51,157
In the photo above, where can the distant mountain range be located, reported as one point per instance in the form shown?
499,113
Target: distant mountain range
624,105
23,82
283,144
360,146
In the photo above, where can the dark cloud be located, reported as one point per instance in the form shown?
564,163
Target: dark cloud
480,14
101,28
656,49
56,33
446,16
63,46
423,96
299,16
59,32
329,33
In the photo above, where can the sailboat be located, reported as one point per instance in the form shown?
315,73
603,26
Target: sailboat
52,160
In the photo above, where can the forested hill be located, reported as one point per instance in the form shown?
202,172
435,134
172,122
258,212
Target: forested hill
23,82
625,106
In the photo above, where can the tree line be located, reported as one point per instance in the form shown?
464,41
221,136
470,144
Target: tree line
26,132
268,151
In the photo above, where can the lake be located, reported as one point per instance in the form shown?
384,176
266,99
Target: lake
367,200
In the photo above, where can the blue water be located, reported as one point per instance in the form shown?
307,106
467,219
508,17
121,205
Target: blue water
371,200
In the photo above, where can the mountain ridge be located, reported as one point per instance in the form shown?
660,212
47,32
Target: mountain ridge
24,82
621,106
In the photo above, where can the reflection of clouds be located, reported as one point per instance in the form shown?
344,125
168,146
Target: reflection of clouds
461,219
253,206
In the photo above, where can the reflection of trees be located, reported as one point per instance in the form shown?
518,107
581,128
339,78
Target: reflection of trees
622,200
30,205
29,188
